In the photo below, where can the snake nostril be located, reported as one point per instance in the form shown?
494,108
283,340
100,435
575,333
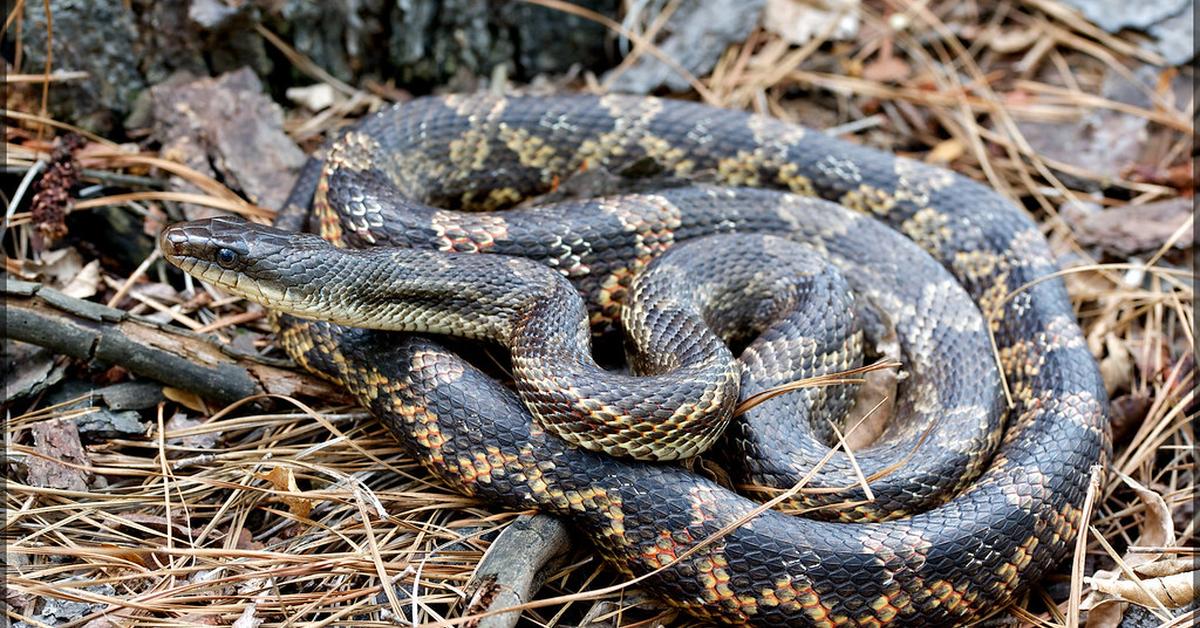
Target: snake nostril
172,241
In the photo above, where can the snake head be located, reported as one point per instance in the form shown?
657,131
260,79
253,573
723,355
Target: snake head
242,257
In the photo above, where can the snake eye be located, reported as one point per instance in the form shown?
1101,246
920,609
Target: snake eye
226,257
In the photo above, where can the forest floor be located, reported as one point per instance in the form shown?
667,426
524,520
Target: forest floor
131,503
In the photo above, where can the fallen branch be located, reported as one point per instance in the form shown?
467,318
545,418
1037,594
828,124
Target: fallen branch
176,357
515,566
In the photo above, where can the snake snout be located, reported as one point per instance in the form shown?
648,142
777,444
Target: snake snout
204,247
179,245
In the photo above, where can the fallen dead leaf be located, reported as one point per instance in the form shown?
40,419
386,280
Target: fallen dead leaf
245,540
887,68
1165,585
1128,411
180,423
877,394
1107,614
284,481
86,283
1117,366
1171,591
1168,567
54,268
1156,529
185,398
143,557
945,152
1132,229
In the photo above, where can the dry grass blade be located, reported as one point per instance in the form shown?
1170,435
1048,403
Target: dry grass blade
829,379
303,63
1085,515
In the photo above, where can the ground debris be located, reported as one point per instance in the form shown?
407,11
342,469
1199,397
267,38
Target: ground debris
1170,22
109,411
29,369
193,435
799,21
65,270
699,32
56,611
225,127
1132,229
52,201
63,463
943,82
1103,142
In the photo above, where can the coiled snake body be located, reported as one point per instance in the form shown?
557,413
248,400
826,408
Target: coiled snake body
952,534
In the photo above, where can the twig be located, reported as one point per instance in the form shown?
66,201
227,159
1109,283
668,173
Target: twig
863,124
49,64
90,331
133,277
515,566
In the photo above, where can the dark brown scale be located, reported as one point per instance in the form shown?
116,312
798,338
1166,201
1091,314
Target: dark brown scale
942,566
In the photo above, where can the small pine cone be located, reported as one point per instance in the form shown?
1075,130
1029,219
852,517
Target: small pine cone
53,201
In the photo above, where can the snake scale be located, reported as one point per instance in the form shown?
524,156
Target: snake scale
989,496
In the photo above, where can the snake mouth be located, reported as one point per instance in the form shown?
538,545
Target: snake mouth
230,253
176,245
197,249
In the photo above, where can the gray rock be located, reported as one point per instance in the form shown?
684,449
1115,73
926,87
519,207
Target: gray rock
1170,22
1175,37
107,53
700,32
1113,15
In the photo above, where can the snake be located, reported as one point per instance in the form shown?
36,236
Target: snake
793,248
